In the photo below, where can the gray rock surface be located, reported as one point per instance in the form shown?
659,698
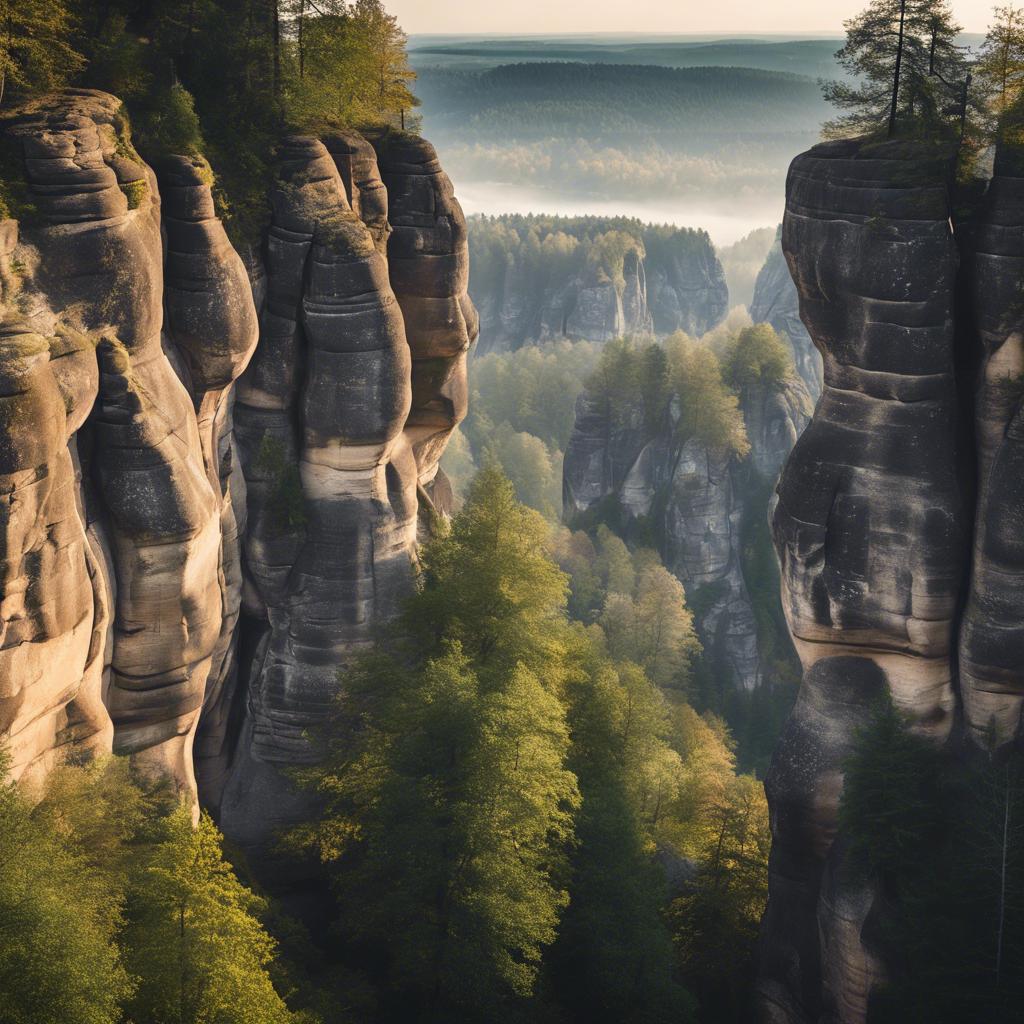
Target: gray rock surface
871,531
690,501
776,302
187,442
667,284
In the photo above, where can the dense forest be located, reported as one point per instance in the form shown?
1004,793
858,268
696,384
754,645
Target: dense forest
217,81
621,130
521,418
522,819
535,802
520,816
603,101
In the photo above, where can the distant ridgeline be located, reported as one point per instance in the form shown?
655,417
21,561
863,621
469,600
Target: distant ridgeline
538,278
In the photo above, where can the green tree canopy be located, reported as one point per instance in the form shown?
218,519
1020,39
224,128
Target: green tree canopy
193,936
59,958
36,51
448,802
905,66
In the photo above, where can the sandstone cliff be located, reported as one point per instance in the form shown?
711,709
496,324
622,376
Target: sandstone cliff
190,443
540,279
776,302
659,487
884,587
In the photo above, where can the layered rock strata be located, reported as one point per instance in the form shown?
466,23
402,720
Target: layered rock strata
188,443
898,522
691,502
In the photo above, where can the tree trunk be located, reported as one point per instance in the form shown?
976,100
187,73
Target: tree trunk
896,72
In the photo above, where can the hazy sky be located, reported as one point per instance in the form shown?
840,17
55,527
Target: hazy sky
676,16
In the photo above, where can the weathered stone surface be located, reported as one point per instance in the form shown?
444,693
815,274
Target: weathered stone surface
356,384
428,260
94,283
131,478
686,289
871,533
776,302
52,617
210,322
692,500
676,283
992,629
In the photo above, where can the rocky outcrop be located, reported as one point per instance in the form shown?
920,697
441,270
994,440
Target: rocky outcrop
662,488
991,655
587,279
872,525
776,302
189,445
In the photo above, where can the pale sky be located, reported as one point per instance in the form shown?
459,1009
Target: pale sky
542,17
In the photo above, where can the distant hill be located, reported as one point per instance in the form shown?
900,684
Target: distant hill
720,136
529,101
812,58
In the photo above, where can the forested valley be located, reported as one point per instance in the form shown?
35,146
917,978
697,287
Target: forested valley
526,739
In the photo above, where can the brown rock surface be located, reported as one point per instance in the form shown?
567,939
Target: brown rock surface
132,479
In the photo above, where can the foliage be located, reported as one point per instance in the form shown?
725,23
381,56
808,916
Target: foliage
224,79
709,411
940,836
906,66
111,903
193,936
448,803
521,415
613,960
535,472
36,51
716,923
999,71
652,627
755,357
59,959
543,252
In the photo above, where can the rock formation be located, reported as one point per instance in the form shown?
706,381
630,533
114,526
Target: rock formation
661,281
688,500
884,589
189,443
776,302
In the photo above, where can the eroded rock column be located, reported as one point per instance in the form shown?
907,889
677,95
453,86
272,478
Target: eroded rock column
870,531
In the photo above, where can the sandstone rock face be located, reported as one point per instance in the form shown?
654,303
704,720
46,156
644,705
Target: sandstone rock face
872,531
667,283
188,444
691,502
992,629
776,302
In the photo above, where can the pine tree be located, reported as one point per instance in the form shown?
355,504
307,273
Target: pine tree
613,961
448,803
905,66
59,959
193,937
999,70
35,49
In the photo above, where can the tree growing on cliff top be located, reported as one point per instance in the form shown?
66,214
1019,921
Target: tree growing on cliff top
905,66
999,71
35,49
